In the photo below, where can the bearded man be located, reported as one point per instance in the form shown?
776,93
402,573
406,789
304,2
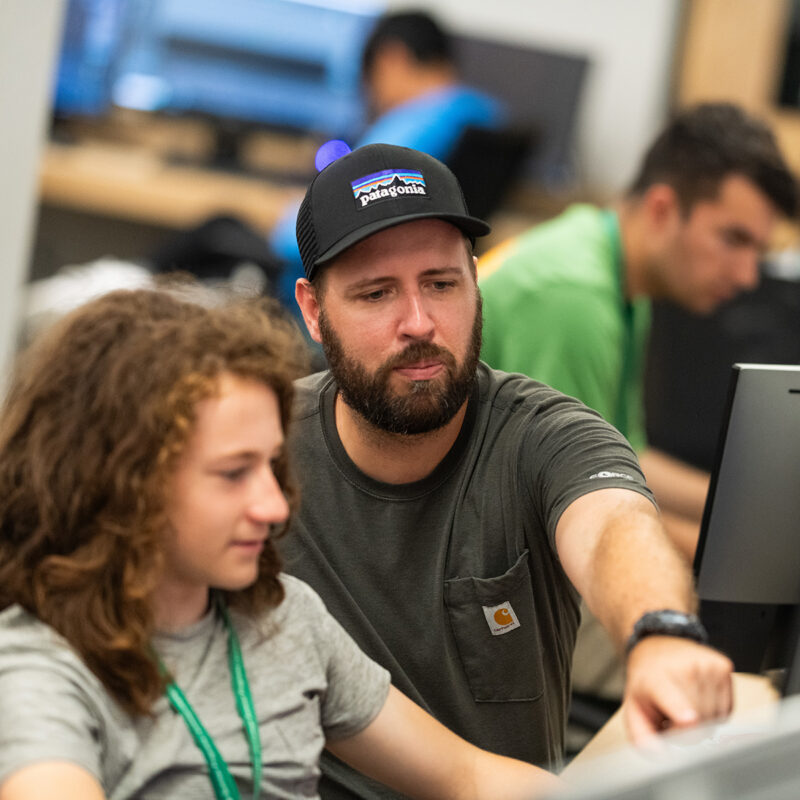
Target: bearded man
451,514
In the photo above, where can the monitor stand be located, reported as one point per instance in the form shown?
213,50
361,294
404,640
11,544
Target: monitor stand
791,681
226,154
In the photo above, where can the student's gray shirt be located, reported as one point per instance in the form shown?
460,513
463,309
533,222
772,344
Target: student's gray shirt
308,679
453,582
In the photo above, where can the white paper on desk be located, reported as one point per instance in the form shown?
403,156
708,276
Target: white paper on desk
755,756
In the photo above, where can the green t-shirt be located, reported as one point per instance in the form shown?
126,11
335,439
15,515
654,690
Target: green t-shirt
554,310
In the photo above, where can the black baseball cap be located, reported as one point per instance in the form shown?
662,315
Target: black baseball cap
373,188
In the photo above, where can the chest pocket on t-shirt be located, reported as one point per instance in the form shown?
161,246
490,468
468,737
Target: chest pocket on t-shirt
495,628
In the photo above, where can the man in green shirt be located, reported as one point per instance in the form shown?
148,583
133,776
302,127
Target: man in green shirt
568,301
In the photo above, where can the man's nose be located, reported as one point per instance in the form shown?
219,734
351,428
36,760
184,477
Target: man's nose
416,321
748,272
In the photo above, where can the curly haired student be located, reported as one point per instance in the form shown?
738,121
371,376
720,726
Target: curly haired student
149,644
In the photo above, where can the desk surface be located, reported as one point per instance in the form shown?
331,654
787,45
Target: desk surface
135,183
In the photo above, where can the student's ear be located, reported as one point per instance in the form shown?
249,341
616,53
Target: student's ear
306,296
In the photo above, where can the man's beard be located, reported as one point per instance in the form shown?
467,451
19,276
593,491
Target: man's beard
427,405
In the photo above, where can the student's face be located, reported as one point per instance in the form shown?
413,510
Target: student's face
716,249
224,497
400,324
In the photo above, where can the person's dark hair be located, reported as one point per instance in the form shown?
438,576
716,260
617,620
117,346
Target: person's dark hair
100,408
417,30
707,143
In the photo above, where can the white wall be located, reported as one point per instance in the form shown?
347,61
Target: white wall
29,32
631,44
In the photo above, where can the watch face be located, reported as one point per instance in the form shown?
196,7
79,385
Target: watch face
667,618
675,617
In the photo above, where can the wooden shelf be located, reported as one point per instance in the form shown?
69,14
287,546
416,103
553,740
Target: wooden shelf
734,50
137,184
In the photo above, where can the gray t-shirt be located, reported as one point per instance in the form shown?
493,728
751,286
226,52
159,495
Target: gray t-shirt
452,582
308,679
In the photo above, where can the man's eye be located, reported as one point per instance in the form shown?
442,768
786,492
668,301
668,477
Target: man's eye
378,294
734,238
442,286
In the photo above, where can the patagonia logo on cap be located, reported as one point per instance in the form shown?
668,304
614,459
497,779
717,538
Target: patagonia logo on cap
386,184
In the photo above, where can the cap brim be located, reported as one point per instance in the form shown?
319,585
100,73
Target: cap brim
471,226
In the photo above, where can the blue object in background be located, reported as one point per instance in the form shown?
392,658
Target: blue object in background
434,122
283,63
291,64
92,32
329,152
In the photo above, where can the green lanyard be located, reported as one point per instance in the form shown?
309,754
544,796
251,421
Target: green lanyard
221,778
620,420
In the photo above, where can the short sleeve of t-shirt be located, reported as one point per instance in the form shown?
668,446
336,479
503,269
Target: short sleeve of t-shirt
572,451
46,707
357,686
562,448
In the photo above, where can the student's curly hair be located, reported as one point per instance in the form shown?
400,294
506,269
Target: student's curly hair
100,407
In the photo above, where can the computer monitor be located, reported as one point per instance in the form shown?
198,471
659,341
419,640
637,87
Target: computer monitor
747,563
91,36
542,88
242,64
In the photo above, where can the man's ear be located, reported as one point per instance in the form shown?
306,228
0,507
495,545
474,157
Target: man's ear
395,55
306,296
662,208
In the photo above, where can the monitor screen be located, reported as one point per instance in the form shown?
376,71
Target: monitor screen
90,42
542,89
283,63
748,557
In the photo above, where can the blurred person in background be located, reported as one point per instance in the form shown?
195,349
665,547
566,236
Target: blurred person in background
415,98
413,87
567,302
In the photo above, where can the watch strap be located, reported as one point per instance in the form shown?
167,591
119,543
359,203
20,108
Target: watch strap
667,622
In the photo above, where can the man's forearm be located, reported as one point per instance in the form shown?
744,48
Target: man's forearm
649,572
629,566
614,548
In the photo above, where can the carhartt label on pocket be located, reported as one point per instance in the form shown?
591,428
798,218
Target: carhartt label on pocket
501,619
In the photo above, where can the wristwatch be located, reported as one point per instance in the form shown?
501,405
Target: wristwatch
667,622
